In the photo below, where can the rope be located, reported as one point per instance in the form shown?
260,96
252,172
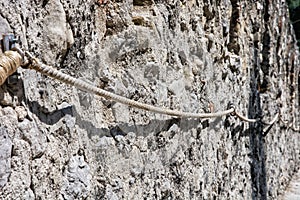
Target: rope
49,71
13,59
270,124
245,118
9,62
273,120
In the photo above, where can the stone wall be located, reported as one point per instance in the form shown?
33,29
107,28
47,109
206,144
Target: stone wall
57,142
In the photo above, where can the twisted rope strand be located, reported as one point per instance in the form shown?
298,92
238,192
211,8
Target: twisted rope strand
11,60
49,71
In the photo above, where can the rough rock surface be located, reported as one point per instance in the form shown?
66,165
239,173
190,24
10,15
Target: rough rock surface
57,142
293,190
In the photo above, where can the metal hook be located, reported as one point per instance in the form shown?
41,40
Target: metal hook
9,42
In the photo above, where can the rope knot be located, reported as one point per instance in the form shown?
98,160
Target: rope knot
231,106
33,63
9,62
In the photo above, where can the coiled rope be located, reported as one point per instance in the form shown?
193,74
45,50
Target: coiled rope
9,62
12,59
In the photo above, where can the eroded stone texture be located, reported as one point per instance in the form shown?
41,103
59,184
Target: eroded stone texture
77,179
5,156
196,56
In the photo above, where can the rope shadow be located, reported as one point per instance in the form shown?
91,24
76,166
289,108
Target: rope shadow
154,126
50,118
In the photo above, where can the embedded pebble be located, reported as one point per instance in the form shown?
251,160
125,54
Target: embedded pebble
21,112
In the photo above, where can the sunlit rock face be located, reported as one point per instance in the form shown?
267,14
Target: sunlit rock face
58,142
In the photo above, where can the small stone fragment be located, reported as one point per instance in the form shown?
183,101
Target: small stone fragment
6,99
21,112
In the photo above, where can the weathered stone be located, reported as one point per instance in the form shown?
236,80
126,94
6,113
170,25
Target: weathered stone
33,136
177,87
196,56
4,27
77,177
5,98
20,177
5,156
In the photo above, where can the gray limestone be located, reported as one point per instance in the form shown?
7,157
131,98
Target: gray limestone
57,142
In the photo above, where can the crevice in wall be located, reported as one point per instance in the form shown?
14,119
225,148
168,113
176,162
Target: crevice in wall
32,185
172,16
142,2
233,45
207,12
257,142
266,40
